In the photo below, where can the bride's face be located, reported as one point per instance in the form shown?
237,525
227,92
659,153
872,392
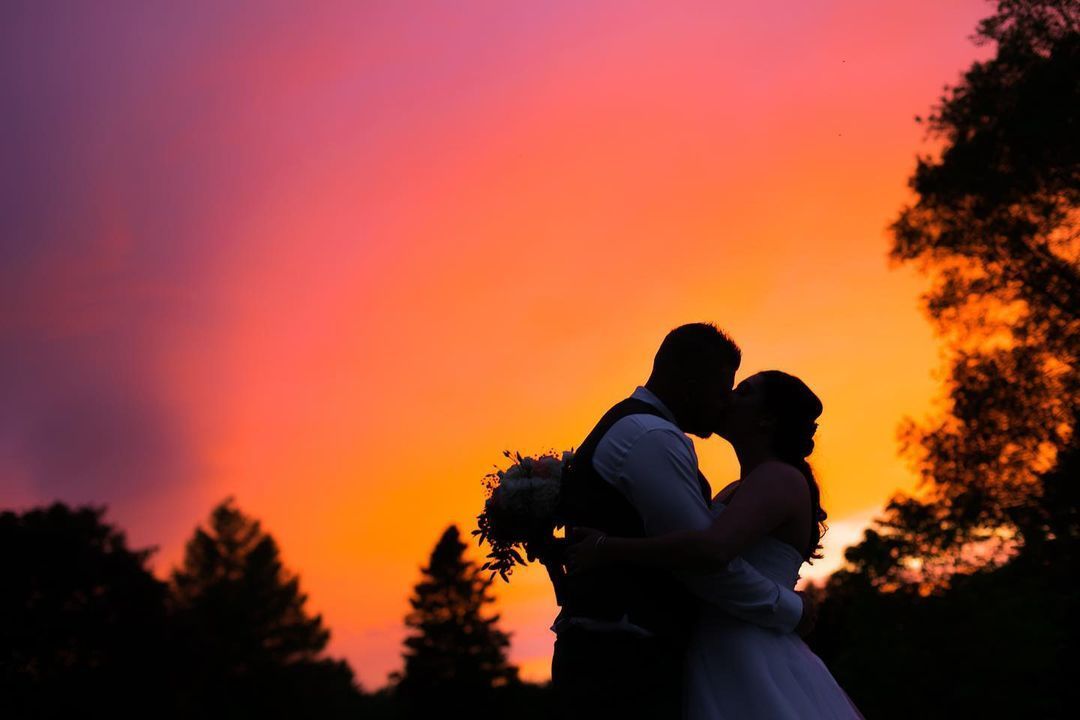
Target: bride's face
746,415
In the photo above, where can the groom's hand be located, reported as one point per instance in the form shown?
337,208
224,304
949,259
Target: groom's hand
582,552
809,615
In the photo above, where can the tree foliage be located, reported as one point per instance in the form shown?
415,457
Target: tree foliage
961,600
253,644
456,656
82,620
995,224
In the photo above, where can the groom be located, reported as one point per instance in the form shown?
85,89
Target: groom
622,632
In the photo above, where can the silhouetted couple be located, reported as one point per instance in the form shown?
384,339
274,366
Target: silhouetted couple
676,603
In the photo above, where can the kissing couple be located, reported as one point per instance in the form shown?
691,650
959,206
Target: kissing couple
676,603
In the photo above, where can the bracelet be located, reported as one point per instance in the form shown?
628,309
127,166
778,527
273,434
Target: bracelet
599,541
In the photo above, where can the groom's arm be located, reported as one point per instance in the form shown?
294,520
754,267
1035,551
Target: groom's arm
659,477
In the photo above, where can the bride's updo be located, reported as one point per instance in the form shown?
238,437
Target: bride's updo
796,409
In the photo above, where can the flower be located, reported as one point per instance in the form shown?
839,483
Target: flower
520,511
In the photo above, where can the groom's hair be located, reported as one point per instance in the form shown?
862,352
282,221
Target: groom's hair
695,350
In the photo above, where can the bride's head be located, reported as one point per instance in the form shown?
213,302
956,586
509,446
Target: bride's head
773,409
778,413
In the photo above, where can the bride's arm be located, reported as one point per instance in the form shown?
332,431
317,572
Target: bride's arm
658,475
766,498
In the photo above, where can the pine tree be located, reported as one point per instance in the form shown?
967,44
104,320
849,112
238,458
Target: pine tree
255,645
457,656
83,621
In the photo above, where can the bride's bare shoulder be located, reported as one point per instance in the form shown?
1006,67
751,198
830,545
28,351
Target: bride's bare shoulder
779,477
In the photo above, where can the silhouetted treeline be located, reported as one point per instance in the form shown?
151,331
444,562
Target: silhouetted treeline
996,227
962,600
86,628
995,643
82,622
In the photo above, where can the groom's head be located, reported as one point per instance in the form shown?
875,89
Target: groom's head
692,374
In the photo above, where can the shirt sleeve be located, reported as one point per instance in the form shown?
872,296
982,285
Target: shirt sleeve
659,477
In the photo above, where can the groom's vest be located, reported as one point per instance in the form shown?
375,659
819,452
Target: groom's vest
651,599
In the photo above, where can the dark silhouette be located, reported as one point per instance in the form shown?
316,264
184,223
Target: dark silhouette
83,622
996,224
790,412
86,628
996,643
254,647
738,668
962,601
616,673
456,658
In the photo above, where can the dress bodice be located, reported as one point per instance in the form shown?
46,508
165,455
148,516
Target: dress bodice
773,558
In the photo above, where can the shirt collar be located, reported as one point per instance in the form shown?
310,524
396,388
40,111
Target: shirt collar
644,393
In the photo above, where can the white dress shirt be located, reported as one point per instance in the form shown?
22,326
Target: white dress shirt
654,464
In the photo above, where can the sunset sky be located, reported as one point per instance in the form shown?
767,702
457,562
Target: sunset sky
332,259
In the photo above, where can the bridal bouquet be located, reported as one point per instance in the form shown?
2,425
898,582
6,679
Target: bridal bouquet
520,511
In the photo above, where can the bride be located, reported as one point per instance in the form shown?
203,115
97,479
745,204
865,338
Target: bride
772,518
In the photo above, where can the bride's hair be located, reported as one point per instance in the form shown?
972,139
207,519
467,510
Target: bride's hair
796,409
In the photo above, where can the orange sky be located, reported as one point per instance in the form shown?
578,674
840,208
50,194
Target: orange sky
334,262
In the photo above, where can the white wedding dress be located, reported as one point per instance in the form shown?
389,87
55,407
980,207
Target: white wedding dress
740,671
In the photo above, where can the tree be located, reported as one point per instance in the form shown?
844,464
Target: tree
457,656
996,643
82,620
970,582
996,226
254,646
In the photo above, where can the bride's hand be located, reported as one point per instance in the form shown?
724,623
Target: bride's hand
583,552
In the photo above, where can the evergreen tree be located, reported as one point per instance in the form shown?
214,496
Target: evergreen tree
83,622
457,656
253,645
